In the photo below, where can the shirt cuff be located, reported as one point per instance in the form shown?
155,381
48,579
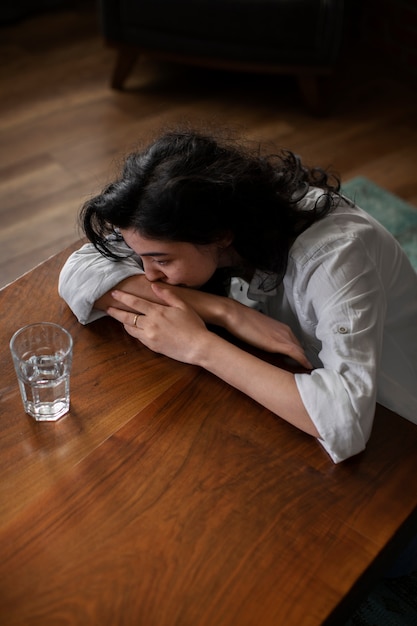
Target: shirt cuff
328,403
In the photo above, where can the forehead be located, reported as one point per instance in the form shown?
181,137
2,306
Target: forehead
145,246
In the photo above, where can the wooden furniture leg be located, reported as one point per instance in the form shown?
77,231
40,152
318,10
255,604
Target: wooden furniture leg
126,58
310,88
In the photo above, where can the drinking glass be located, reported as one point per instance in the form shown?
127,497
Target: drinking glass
42,357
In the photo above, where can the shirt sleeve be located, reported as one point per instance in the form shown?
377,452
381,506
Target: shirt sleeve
345,304
87,275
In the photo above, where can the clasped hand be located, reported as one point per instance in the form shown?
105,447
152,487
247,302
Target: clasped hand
174,328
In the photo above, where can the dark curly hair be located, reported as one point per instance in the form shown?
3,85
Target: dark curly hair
191,187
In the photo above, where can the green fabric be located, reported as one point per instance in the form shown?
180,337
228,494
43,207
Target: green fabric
396,215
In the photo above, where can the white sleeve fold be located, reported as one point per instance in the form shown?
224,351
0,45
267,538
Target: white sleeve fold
342,307
87,275
342,433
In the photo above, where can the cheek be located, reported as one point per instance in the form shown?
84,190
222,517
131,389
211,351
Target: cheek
194,271
203,271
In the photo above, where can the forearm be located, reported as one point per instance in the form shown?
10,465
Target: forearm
241,321
211,308
137,285
87,275
271,386
176,330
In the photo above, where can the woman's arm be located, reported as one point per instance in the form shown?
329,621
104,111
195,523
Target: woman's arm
271,386
87,275
245,323
176,330
88,278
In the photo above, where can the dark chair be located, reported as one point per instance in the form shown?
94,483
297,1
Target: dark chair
298,37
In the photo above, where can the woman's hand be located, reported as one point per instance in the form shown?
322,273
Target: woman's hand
241,321
173,328
264,332
177,331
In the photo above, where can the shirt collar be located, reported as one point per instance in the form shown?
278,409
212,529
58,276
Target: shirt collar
262,286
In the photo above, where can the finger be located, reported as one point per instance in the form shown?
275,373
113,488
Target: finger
293,337
303,360
139,305
300,357
118,314
168,296
127,318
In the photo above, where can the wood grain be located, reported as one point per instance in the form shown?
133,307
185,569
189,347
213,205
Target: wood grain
165,497
63,131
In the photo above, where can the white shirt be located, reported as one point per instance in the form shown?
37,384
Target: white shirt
349,294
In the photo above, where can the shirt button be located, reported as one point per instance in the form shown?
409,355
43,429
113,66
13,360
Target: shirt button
343,330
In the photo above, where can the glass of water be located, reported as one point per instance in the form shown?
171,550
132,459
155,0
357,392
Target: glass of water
42,357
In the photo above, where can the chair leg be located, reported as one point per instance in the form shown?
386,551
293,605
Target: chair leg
309,86
126,58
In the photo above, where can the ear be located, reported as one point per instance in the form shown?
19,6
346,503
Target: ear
225,240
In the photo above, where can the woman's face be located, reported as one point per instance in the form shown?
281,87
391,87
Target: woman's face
174,262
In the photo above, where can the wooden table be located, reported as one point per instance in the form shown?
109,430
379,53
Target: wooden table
167,498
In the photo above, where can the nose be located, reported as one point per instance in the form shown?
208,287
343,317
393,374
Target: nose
153,273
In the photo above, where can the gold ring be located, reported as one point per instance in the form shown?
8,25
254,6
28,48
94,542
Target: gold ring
135,319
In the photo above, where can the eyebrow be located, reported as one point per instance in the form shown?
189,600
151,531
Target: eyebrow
154,254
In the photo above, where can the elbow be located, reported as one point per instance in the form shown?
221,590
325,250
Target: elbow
63,284
345,442
342,416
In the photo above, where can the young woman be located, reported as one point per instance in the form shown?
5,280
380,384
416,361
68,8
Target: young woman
198,231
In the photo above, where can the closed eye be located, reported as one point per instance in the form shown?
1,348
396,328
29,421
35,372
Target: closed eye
156,258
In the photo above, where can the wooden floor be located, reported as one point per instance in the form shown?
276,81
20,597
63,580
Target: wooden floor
63,131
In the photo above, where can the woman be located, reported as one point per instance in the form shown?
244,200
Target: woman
194,224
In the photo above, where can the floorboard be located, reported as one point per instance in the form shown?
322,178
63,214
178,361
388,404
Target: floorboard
64,131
